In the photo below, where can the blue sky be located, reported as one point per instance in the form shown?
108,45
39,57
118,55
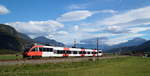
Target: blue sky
66,20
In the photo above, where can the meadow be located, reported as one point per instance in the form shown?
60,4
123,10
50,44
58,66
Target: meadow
10,57
127,66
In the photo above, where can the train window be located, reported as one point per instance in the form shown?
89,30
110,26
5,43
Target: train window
100,51
63,52
71,52
35,49
94,52
88,52
40,49
68,52
74,52
46,49
50,49
60,52
80,52
84,52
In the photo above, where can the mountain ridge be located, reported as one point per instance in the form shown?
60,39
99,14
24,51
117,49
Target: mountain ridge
12,39
45,40
140,49
91,43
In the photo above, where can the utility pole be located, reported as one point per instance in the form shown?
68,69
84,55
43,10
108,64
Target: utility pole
74,43
97,46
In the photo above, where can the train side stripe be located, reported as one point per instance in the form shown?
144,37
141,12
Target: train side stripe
94,50
82,49
66,48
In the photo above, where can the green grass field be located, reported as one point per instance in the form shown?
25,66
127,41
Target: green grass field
10,57
128,66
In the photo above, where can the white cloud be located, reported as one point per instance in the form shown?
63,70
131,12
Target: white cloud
90,29
77,6
116,29
122,30
139,29
85,35
105,35
75,16
76,27
129,16
37,28
3,10
121,39
85,24
106,11
127,22
61,33
119,28
81,15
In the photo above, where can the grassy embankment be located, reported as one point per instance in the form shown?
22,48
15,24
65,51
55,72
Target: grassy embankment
128,66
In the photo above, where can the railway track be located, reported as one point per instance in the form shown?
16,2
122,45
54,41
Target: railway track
52,60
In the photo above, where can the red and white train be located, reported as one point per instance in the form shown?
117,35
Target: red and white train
52,51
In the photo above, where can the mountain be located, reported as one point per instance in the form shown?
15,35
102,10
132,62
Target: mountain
133,42
45,40
136,45
24,36
145,47
91,43
12,40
